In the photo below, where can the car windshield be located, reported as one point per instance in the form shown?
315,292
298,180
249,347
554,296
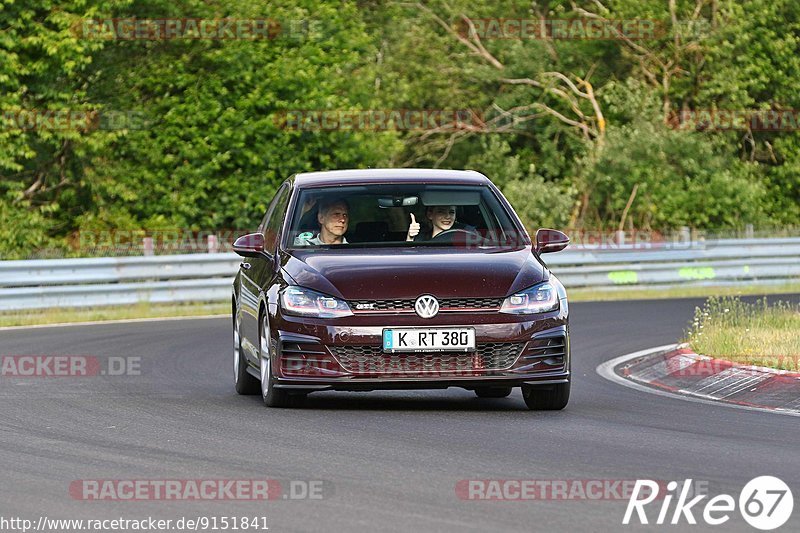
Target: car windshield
402,215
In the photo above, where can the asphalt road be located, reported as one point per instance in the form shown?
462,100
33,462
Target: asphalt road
389,461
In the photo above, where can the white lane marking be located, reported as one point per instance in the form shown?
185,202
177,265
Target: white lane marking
120,321
606,370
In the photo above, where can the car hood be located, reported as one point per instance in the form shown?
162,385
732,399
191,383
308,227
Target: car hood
364,274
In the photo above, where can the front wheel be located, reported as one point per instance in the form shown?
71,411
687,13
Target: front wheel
244,383
550,398
272,397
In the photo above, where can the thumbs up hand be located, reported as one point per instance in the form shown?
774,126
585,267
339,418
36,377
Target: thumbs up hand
413,228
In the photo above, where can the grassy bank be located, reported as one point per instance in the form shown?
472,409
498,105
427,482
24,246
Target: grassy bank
91,314
640,293
749,333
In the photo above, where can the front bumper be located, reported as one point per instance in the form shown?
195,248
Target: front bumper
511,351
412,384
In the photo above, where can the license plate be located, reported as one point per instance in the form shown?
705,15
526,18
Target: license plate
429,340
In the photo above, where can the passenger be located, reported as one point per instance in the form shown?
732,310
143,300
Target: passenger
333,217
440,217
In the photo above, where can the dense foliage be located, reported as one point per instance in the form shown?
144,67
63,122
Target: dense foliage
579,132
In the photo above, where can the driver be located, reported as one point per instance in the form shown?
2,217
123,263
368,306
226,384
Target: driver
333,217
441,218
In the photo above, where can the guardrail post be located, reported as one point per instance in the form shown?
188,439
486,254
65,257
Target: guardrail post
147,245
685,235
213,244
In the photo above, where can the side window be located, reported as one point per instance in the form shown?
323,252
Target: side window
271,226
264,221
271,205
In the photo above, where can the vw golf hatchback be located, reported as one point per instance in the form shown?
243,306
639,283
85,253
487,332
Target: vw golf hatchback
360,280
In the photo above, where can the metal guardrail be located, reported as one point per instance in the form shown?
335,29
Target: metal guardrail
88,282
713,262
207,277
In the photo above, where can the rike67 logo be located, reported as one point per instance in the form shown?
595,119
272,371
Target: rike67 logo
765,503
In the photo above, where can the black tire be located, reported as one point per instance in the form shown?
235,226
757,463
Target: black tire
243,381
272,397
550,398
492,392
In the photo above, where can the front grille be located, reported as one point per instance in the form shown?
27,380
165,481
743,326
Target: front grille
445,304
372,360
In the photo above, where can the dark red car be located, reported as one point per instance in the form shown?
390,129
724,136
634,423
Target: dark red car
398,279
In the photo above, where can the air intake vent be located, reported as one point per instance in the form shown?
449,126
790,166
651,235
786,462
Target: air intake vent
549,351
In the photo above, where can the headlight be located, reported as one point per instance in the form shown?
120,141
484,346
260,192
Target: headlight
305,302
538,299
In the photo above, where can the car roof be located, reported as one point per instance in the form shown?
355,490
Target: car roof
397,175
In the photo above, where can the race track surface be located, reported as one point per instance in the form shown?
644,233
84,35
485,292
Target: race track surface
390,461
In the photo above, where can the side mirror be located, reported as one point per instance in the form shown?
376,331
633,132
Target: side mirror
550,240
250,245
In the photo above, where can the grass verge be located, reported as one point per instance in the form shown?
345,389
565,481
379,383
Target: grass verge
749,333
599,295
91,314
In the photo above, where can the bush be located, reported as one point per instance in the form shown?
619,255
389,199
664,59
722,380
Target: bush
682,178
538,203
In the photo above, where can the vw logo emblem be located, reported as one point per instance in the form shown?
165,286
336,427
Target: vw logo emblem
426,306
